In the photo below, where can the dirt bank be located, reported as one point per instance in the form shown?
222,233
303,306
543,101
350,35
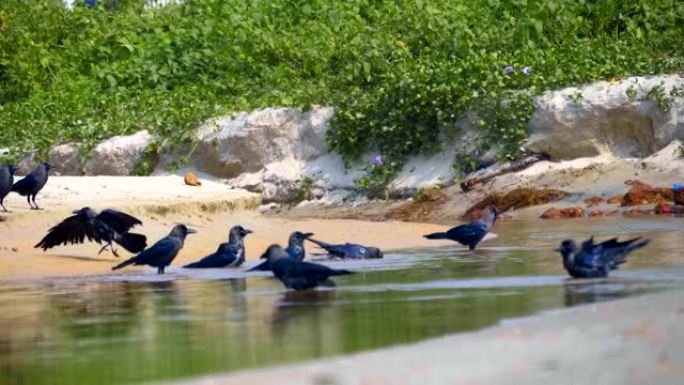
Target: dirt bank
601,176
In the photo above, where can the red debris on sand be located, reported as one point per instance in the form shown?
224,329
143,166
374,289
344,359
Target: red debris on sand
191,179
593,201
568,212
614,200
637,212
597,213
663,208
644,194
516,199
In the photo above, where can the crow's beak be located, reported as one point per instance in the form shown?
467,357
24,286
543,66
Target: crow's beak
248,231
191,231
76,211
308,235
558,249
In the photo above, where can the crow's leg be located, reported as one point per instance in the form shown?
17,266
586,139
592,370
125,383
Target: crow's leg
3,206
108,244
114,251
36,204
28,199
160,270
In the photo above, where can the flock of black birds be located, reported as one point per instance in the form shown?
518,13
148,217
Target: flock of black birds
109,227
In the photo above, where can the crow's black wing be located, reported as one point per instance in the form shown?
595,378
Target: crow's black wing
120,222
468,233
26,185
72,230
165,248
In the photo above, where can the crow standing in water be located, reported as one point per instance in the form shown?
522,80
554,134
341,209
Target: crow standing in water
108,226
230,254
162,253
596,260
32,183
298,275
471,233
349,250
295,249
6,182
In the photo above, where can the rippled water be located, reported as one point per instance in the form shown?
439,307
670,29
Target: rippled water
132,328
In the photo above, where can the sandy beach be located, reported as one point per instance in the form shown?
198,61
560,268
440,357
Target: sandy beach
160,202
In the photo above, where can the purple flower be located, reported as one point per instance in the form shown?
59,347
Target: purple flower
526,70
508,70
378,161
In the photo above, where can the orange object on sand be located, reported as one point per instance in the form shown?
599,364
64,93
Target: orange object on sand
191,179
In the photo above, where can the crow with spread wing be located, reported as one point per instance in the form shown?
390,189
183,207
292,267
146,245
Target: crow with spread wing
106,227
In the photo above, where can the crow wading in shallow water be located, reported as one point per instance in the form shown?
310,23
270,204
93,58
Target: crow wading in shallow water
298,275
162,253
593,260
6,182
108,226
228,254
471,233
349,250
295,249
32,183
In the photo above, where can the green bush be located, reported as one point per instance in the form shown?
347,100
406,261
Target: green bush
397,71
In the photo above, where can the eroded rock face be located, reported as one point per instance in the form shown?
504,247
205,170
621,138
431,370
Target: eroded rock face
621,118
66,159
118,155
246,143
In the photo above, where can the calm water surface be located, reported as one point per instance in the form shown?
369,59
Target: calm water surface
132,328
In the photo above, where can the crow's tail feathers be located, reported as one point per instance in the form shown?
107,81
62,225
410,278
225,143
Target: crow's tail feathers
341,272
637,243
436,236
194,265
263,266
320,244
133,242
125,263
22,187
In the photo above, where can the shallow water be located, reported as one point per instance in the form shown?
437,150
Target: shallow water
131,328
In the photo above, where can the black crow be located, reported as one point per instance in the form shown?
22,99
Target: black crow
162,253
350,250
596,260
471,233
32,183
108,226
298,275
228,254
295,249
6,182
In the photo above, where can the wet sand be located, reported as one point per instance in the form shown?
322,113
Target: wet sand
212,209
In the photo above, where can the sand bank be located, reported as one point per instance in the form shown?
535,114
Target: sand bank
160,202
